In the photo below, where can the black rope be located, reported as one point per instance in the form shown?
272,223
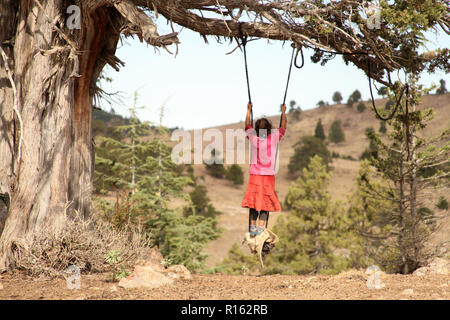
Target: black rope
369,72
295,52
244,43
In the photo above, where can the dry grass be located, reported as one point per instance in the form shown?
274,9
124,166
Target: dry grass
83,243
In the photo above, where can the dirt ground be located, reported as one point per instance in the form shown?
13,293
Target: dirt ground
350,285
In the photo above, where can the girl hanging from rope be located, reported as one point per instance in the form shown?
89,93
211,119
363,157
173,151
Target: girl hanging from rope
260,196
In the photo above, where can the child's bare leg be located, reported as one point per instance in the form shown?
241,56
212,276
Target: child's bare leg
252,217
263,219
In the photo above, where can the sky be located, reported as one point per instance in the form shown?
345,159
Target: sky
203,87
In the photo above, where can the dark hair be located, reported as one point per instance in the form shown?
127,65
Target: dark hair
265,124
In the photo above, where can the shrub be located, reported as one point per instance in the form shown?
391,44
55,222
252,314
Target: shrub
361,107
337,97
235,174
85,243
319,131
336,134
306,148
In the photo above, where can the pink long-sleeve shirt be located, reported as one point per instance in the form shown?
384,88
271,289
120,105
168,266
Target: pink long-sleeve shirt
263,151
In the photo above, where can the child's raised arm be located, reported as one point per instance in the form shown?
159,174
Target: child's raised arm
283,123
247,118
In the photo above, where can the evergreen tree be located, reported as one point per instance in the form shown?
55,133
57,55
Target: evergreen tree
336,134
371,151
442,88
317,236
215,166
361,107
382,128
319,132
337,97
389,104
295,110
201,204
235,174
356,96
399,236
147,181
383,91
306,148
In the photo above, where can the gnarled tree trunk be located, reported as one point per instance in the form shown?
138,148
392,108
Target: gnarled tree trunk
55,83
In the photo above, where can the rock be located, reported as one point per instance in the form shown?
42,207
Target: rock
145,276
436,266
113,289
1,286
408,292
179,271
150,272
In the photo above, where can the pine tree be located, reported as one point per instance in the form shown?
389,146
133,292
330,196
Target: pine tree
403,159
146,182
306,148
336,134
317,236
319,132
361,107
337,97
442,88
201,203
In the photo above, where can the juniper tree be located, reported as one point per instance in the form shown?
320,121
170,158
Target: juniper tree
337,97
336,133
319,132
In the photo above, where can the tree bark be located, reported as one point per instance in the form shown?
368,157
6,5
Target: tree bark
55,171
8,8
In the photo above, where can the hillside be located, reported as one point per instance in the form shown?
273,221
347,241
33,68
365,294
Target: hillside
227,198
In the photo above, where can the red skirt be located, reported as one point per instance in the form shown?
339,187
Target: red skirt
260,194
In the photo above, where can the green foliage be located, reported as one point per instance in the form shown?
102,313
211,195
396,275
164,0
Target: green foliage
442,88
319,132
321,103
442,203
201,204
353,98
382,128
306,148
113,258
390,204
389,104
294,110
372,206
361,107
235,174
383,91
236,262
215,165
146,181
182,240
371,151
337,97
336,134
317,236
